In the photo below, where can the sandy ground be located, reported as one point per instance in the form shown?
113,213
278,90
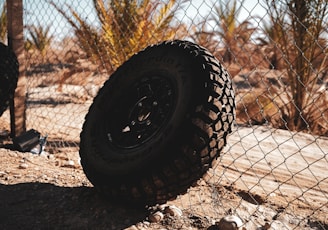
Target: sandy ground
269,178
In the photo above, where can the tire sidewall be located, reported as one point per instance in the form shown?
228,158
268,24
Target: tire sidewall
175,64
8,76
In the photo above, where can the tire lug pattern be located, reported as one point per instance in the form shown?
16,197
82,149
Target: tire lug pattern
204,133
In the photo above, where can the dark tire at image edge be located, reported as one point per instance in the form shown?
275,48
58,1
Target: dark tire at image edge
157,124
8,76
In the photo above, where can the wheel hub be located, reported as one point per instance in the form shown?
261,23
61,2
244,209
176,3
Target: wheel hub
143,112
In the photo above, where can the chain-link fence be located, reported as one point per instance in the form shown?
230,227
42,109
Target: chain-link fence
273,170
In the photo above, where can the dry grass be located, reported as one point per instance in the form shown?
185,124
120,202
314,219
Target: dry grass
261,106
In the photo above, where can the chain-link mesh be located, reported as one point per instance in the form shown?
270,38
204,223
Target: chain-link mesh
273,169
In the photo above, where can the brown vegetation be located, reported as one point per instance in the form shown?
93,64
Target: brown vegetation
125,28
285,78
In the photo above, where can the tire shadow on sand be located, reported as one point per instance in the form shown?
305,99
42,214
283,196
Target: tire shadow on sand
46,206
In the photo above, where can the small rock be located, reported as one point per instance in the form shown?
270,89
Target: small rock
146,224
230,223
44,154
161,207
79,161
173,211
69,164
266,226
156,217
51,157
12,154
23,166
141,226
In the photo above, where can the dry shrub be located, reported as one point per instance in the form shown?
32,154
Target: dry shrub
270,106
317,113
258,107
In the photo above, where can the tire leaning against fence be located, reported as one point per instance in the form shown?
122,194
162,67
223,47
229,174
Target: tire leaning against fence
157,124
8,76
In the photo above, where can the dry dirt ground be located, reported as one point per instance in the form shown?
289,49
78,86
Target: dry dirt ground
50,191
269,178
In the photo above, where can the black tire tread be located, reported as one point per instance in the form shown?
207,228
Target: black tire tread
200,149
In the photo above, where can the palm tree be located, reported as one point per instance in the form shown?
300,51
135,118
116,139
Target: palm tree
305,58
125,28
274,32
307,23
40,39
232,33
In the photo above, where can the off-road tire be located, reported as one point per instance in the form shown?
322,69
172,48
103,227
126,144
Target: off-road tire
8,76
157,124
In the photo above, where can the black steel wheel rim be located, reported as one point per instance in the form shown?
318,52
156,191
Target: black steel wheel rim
143,111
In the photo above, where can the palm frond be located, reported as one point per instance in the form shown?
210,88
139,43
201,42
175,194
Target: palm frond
125,28
233,34
40,38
